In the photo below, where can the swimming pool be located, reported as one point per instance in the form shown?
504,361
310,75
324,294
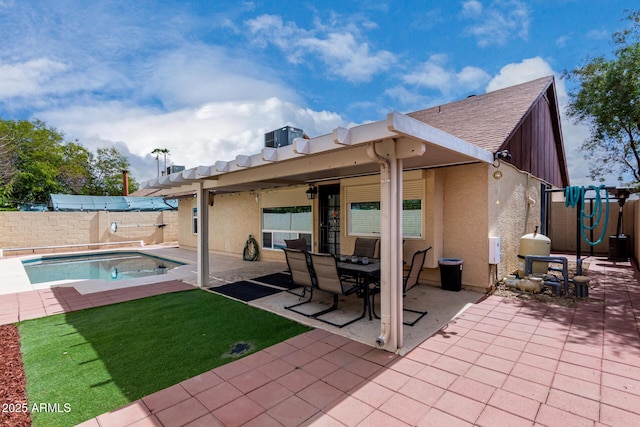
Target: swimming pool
108,266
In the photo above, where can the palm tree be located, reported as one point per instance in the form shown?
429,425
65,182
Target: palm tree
164,152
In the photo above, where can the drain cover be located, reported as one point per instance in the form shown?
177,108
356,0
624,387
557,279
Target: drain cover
239,348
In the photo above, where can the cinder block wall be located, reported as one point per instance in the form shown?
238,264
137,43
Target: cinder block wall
33,229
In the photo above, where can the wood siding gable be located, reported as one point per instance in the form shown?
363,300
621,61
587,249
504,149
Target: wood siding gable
536,143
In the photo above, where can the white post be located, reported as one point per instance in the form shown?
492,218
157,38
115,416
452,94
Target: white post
203,236
396,251
390,251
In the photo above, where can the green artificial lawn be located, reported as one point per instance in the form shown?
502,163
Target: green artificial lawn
82,364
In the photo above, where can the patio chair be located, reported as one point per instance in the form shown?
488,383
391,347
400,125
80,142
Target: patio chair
408,282
300,244
325,267
365,247
301,275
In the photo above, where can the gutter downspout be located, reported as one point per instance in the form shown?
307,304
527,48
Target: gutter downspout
390,330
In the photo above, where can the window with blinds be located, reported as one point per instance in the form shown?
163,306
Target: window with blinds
363,209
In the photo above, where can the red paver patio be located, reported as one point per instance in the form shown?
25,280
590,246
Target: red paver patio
502,362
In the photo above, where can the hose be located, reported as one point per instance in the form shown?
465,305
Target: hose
575,195
251,251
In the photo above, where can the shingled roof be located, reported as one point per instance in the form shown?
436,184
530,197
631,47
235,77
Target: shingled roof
486,120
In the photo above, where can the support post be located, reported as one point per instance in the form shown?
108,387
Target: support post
203,236
391,334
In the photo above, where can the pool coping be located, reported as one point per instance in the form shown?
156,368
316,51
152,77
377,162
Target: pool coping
14,278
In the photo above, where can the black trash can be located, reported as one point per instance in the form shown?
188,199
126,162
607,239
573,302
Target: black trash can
618,248
450,274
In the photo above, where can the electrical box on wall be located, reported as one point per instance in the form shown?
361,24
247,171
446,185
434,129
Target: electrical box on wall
494,250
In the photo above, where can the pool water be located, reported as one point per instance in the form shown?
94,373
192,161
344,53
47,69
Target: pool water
104,266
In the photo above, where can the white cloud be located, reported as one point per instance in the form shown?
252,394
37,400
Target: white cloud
195,136
434,74
342,52
516,73
597,35
29,78
194,75
471,8
497,23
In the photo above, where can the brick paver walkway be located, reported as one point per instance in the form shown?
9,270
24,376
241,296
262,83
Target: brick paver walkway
503,362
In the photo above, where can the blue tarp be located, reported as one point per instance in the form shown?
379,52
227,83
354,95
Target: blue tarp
73,203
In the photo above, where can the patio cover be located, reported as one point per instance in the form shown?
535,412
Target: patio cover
74,203
386,147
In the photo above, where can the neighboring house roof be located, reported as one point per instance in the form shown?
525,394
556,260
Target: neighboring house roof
69,202
493,121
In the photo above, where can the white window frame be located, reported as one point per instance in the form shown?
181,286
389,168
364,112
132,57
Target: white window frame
291,233
351,232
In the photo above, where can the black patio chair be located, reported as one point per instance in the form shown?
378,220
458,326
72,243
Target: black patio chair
365,247
300,243
408,282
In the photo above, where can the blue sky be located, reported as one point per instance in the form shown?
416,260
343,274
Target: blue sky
207,79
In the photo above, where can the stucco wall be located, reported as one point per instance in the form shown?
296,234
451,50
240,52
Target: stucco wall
514,210
186,238
462,206
33,229
464,222
233,217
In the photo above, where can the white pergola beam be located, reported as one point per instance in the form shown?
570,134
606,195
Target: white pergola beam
301,146
342,136
270,154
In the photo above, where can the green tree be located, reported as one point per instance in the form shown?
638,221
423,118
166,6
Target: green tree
36,160
608,99
106,169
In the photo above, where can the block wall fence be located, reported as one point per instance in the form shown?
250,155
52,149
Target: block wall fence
34,229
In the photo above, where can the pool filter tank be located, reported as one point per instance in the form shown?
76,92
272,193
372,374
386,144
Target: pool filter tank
534,244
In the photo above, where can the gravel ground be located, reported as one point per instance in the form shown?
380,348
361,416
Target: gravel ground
13,395
546,296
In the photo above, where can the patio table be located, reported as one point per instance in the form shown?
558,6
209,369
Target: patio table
365,274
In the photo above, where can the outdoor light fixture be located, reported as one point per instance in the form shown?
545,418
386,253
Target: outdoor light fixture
501,155
311,192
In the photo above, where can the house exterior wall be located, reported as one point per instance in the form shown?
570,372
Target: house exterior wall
461,207
186,237
34,229
414,187
514,210
461,215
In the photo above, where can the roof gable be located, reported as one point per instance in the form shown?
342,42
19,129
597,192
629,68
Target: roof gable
503,118
486,120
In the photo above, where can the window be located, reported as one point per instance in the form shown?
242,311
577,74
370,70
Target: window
364,218
280,224
194,224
